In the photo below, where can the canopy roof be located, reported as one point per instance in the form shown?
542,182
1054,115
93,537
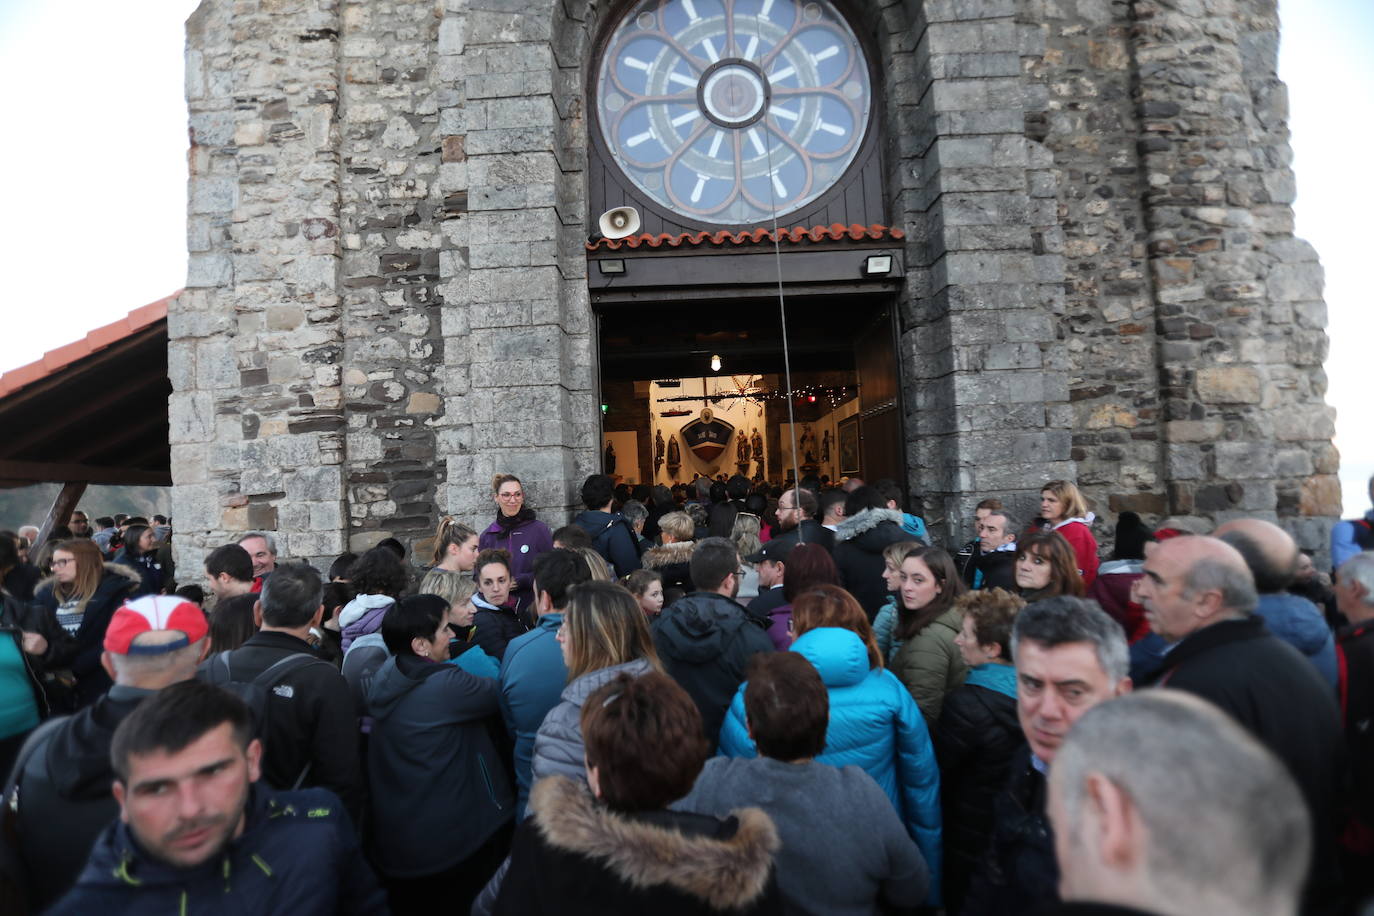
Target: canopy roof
93,411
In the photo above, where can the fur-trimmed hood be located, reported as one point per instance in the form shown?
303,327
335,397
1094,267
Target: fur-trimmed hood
725,873
866,521
668,554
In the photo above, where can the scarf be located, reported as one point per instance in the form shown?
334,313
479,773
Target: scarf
508,523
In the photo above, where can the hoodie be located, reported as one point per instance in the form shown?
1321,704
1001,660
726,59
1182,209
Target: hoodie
361,616
297,854
705,641
613,539
439,789
496,626
1300,623
360,625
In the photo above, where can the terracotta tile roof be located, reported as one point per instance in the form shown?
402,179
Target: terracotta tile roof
835,232
55,360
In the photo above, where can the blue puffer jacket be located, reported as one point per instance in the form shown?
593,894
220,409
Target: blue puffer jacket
874,725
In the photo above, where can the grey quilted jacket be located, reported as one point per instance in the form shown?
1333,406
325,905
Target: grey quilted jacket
558,745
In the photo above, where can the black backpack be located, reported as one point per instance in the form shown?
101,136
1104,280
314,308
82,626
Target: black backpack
255,692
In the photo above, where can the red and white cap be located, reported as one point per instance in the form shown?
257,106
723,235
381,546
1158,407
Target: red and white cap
151,613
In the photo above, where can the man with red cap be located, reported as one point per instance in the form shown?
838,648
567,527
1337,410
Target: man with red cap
64,769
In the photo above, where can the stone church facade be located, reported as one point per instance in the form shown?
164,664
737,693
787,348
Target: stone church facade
387,299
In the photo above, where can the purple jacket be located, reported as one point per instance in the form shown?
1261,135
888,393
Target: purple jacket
524,542
778,629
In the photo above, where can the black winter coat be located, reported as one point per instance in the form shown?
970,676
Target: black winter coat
859,545
613,538
496,627
705,641
575,857
1018,872
998,569
811,532
81,653
1276,694
311,718
63,796
976,740
1355,649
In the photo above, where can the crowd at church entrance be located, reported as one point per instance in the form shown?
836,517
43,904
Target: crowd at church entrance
722,697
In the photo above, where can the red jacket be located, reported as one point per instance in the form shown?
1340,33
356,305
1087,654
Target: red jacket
1084,545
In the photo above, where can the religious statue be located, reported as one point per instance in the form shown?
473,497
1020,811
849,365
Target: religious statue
610,457
742,449
825,447
756,442
808,445
674,454
658,449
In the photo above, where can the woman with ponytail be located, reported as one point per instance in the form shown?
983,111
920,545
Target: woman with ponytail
518,533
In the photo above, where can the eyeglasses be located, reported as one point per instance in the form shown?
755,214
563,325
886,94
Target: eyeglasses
515,495
782,508
58,564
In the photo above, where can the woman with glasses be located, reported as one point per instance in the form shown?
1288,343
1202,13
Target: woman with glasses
604,634
518,533
81,596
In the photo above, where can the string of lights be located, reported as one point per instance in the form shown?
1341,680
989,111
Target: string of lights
835,395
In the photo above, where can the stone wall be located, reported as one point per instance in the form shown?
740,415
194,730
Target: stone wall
386,300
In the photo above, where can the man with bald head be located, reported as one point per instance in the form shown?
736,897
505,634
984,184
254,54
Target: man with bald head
1199,595
1272,555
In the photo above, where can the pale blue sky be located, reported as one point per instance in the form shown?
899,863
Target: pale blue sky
95,162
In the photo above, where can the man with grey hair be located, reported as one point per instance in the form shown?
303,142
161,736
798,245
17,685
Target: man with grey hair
1355,648
1231,839
995,566
310,737
1070,656
262,549
1199,595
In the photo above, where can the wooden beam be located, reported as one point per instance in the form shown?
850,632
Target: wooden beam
48,472
62,508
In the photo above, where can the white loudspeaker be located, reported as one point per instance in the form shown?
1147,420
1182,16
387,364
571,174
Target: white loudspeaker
618,223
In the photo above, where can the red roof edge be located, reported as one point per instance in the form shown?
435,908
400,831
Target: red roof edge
835,232
55,360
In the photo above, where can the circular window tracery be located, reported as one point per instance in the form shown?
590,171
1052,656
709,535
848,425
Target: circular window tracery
729,111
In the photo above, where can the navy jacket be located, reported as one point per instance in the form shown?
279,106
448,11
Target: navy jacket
439,787
297,856
613,539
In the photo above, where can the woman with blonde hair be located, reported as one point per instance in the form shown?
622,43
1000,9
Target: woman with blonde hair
455,546
596,564
517,532
81,597
745,536
874,723
673,558
604,634
1066,511
457,592
885,624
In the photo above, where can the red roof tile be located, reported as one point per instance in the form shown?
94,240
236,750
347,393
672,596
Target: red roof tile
835,232
55,360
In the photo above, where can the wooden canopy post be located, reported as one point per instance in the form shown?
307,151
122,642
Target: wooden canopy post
62,509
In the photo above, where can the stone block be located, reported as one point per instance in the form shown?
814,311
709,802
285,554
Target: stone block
1320,495
1232,385
1244,460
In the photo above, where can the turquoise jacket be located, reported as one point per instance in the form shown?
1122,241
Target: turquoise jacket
533,676
875,725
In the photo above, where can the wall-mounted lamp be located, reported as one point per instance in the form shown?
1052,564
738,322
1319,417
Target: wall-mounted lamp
612,266
878,265
715,363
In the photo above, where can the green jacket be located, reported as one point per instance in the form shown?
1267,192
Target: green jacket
930,664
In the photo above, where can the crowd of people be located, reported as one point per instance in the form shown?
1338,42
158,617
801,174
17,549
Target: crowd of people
718,698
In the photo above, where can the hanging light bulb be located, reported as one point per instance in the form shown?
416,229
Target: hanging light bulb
715,362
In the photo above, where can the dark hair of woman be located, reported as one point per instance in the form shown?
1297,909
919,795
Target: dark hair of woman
808,565
941,566
1053,548
378,572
